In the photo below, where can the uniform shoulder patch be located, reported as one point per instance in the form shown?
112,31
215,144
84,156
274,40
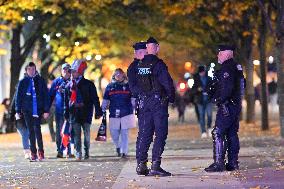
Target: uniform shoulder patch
226,75
239,67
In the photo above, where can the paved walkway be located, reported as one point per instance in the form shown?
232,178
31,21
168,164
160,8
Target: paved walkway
186,155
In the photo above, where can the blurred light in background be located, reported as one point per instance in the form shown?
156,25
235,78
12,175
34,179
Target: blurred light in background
270,59
211,72
30,17
89,57
47,39
256,62
98,57
190,83
187,75
77,43
187,65
58,34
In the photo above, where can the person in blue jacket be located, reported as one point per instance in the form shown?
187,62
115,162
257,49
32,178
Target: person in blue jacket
117,98
56,93
32,103
155,90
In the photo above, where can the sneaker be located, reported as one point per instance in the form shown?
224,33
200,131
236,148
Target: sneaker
59,155
27,154
33,157
124,156
210,132
41,155
70,156
204,135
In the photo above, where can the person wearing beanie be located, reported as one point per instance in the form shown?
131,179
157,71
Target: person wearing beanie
80,99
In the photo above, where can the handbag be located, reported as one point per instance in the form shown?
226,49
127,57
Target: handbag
101,136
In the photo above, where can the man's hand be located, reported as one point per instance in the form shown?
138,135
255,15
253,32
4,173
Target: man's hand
45,115
18,116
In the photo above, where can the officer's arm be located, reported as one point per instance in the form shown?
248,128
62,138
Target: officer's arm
165,80
227,85
132,80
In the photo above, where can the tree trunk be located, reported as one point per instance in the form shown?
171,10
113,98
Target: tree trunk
16,59
263,68
246,48
280,61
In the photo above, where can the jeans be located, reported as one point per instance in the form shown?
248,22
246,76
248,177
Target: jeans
24,132
77,137
120,139
35,135
205,108
59,119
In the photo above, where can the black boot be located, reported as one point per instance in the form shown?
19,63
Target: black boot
156,170
233,153
142,168
218,153
232,164
118,152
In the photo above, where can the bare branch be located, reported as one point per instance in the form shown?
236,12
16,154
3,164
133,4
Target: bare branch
267,19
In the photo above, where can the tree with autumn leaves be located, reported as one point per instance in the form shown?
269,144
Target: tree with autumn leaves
188,31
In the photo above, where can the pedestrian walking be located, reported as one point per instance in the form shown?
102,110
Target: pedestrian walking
31,104
117,98
81,98
155,89
56,94
227,94
22,130
199,90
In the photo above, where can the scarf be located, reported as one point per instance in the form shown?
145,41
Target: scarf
31,91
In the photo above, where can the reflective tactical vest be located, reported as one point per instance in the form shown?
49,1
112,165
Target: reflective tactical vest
146,79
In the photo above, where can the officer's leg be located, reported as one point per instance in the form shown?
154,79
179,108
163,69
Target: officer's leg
161,133
218,143
144,139
233,146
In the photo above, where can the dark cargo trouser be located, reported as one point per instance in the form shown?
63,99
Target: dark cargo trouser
152,118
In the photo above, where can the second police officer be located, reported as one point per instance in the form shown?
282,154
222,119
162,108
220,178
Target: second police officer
155,90
227,94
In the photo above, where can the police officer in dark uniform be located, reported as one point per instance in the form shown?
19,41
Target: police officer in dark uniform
155,91
227,93
140,51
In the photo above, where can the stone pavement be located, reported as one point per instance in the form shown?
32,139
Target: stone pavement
186,155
